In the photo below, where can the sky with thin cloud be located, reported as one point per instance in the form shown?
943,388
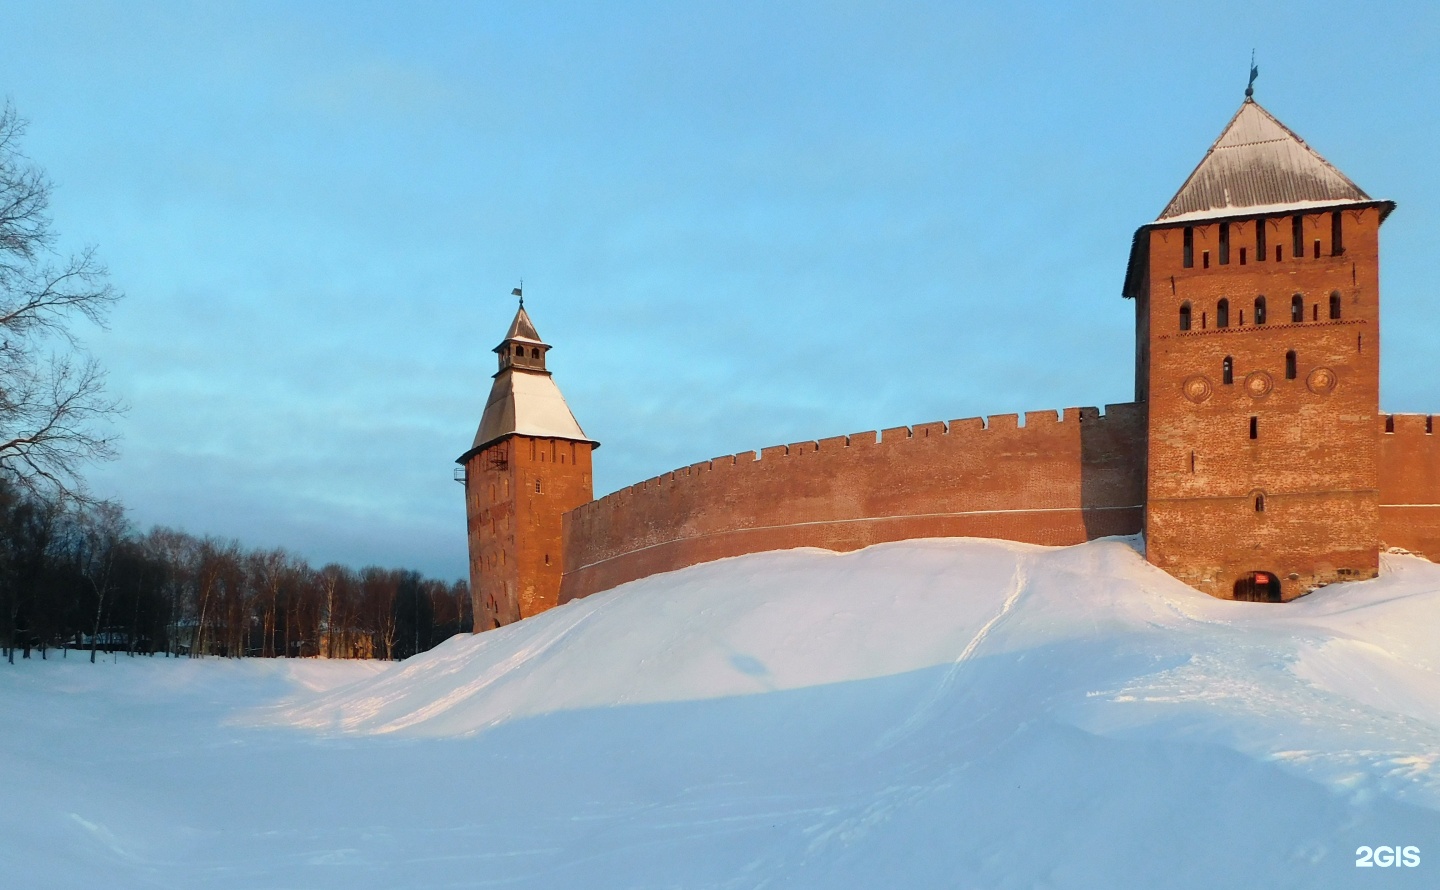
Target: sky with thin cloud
739,224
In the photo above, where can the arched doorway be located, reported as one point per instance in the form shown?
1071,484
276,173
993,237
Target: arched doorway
1258,587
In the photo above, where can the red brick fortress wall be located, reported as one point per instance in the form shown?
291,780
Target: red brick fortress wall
1055,480
1410,483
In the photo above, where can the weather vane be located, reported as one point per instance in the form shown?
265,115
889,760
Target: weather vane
1254,73
519,292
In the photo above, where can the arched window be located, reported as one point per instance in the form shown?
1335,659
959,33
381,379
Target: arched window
1297,308
534,353
1260,309
1227,370
520,350
1260,503
1335,305
1290,365
1222,314
1185,316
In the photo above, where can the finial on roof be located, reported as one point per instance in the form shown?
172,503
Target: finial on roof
1254,73
519,292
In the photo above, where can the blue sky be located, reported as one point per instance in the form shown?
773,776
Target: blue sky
739,224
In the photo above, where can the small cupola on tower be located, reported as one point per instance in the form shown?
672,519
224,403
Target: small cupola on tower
522,347
524,398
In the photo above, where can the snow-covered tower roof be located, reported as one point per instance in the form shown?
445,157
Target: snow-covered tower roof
1259,164
524,399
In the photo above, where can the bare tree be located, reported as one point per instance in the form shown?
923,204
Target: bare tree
378,590
52,403
175,550
102,533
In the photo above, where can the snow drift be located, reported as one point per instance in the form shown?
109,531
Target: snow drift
947,713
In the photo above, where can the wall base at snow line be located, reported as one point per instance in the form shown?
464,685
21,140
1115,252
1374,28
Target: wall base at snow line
1056,479
1056,527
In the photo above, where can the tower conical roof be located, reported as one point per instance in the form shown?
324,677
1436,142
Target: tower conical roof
522,328
1259,164
524,399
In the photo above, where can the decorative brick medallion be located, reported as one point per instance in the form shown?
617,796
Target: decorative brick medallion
1258,384
1321,381
1197,389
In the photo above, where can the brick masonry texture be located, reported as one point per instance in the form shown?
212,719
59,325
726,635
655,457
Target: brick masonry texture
518,491
1277,470
1058,479
1410,483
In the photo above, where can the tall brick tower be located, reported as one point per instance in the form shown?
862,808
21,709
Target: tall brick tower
529,465
1257,311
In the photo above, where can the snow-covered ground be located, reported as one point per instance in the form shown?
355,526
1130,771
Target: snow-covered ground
953,713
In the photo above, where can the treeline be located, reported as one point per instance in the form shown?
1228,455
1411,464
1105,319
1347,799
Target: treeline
79,577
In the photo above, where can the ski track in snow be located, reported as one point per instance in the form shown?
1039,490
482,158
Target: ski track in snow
928,714
940,691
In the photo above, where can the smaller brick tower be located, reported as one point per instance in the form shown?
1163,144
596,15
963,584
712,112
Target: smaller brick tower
1258,359
529,465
